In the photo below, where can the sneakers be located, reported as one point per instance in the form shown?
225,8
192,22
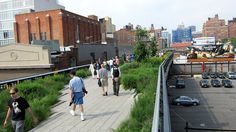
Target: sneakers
72,112
82,118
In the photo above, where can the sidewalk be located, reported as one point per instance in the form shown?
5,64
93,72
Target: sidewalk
102,113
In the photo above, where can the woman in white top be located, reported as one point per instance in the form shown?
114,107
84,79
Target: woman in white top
91,68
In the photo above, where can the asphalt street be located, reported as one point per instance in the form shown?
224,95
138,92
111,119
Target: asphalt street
217,107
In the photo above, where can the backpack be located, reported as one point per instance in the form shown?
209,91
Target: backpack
116,72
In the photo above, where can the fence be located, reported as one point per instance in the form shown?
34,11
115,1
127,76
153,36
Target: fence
7,84
161,118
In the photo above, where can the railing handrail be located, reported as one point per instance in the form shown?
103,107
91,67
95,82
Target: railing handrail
42,75
164,125
155,121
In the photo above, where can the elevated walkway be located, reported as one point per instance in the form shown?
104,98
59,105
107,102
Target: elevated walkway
102,113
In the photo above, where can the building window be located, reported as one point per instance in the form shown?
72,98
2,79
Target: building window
5,35
43,36
33,36
77,33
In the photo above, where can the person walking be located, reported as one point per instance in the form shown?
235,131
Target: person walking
91,68
115,73
16,107
103,76
76,86
97,66
117,60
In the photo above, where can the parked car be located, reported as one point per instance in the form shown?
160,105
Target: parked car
227,83
215,83
185,100
204,83
213,75
180,83
205,75
221,75
231,75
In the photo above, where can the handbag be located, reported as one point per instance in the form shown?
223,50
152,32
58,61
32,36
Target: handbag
95,72
99,83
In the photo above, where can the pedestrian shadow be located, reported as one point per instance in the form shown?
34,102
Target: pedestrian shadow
93,116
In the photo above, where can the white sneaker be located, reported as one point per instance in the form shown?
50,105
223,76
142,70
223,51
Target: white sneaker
82,118
72,112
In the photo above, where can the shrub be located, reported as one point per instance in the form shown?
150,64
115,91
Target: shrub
143,78
83,73
129,81
31,90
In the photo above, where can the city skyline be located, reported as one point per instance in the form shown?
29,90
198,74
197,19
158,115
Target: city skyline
168,14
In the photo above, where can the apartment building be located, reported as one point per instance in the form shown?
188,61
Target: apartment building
8,10
215,27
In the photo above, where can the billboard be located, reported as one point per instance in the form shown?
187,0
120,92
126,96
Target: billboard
201,41
211,53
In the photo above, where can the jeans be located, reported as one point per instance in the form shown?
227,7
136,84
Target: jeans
18,126
116,85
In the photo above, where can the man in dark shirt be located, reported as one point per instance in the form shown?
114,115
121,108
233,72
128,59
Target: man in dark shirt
17,106
115,73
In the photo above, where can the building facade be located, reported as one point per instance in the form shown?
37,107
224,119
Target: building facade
165,39
232,28
181,34
9,8
125,37
107,30
66,27
215,27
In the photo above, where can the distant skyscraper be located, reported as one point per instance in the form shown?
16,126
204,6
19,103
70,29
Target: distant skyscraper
166,39
9,8
181,34
193,28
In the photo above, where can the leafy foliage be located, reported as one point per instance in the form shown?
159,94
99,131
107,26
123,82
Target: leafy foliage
142,77
83,73
140,48
153,47
41,94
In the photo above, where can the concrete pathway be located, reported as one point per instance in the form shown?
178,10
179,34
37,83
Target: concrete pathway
102,113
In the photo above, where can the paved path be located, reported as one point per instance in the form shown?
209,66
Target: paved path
102,113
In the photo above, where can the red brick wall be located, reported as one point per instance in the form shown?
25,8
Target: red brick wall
122,37
232,28
59,25
215,27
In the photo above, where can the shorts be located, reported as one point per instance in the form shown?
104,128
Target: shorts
104,82
18,126
78,98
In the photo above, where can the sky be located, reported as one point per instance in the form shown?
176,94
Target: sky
166,13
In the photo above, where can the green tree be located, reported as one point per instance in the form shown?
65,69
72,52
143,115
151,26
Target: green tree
153,47
140,49
225,40
233,41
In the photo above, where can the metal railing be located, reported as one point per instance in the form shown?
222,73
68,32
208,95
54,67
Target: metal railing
8,83
161,117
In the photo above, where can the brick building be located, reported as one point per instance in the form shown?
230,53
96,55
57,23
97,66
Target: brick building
66,27
215,27
125,37
232,28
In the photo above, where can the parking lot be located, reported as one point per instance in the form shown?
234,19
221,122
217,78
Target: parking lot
217,107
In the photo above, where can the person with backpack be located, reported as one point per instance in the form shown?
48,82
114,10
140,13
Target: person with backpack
115,73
